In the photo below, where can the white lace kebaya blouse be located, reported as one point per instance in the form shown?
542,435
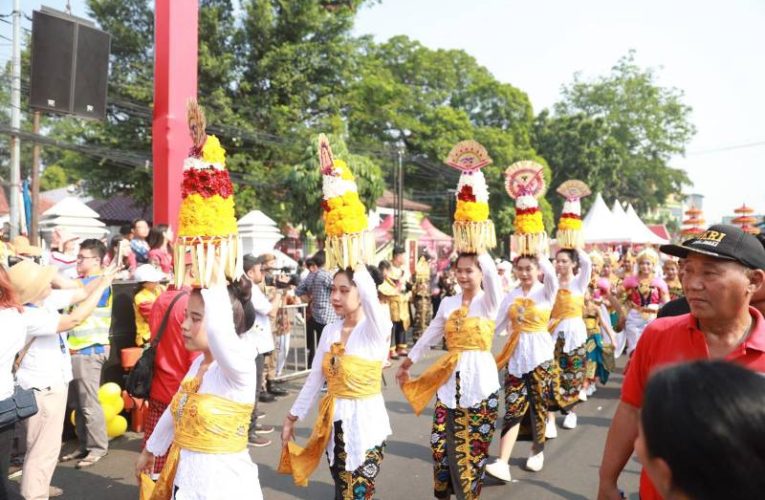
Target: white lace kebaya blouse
573,329
232,375
477,369
534,348
364,421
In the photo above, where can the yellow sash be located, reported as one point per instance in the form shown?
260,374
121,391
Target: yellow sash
462,334
524,316
348,376
204,423
567,306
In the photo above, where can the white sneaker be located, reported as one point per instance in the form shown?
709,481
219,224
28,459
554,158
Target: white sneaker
592,389
536,462
551,430
570,421
582,395
500,470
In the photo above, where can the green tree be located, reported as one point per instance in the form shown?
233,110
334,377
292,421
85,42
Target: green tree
53,177
618,132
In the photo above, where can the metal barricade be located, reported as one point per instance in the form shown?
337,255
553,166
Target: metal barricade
290,339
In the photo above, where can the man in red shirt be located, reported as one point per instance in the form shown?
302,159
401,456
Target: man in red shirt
171,362
723,270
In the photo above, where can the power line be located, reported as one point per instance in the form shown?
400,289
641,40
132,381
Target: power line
727,148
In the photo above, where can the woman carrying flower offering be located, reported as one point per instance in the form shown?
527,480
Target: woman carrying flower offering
524,314
352,424
567,327
205,426
465,380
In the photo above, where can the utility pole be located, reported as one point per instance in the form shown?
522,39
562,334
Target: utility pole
15,181
400,197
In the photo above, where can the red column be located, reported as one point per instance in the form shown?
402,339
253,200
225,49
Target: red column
175,81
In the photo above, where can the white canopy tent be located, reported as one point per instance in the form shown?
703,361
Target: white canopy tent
73,216
601,226
642,233
258,233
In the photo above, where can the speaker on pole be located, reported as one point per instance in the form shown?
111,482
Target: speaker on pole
70,65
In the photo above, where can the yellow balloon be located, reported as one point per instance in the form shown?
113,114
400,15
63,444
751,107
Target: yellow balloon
116,426
72,417
112,409
109,391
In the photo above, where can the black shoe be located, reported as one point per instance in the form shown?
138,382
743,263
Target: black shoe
276,391
266,397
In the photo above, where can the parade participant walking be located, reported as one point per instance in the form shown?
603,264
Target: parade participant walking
723,271
524,313
645,293
398,278
46,365
423,312
352,424
600,355
205,426
89,345
671,269
315,290
569,333
465,379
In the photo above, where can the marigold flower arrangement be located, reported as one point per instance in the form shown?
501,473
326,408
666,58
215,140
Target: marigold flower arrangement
344,215
473,230
570,223
207,225
525,183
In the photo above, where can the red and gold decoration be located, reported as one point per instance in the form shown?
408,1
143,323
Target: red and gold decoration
206,220
745,220
525,183
693,224
473,230
569,233
345,219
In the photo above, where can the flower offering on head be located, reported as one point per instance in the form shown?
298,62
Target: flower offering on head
473,230
344,215
206,220
570,223
525,183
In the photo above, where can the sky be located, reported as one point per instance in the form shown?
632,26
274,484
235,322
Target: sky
711,50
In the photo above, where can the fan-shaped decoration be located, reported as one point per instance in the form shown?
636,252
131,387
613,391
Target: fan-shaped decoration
468,156
525,178
570,222
574,190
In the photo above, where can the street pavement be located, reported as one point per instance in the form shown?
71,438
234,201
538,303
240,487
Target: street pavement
570,472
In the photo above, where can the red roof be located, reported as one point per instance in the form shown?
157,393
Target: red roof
659,230
432,232
43,204
388,198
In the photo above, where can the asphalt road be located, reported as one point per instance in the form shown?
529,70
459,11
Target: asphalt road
571,460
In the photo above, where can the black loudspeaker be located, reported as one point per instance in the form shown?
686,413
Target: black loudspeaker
70,65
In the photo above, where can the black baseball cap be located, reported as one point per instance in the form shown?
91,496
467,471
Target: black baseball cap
722,241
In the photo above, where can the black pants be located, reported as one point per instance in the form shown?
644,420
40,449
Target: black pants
258,387
398,339
313,334
6,445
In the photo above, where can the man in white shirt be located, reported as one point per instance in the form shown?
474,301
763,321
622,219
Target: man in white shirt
46,365
261,340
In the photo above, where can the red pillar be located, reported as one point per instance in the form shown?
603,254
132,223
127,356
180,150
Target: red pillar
175,81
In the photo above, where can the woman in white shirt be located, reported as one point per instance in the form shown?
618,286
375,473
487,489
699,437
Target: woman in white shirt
353,423
207,421
569,333
528,359
13,334
465,380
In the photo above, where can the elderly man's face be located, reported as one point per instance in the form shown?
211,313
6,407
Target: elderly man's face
716,289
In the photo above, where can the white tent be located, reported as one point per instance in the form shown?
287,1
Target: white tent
258,233
620,217
601,226
74,216
642,233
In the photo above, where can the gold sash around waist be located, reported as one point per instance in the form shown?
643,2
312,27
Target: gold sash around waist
204,423
349,377
567,306
524,316
462,334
